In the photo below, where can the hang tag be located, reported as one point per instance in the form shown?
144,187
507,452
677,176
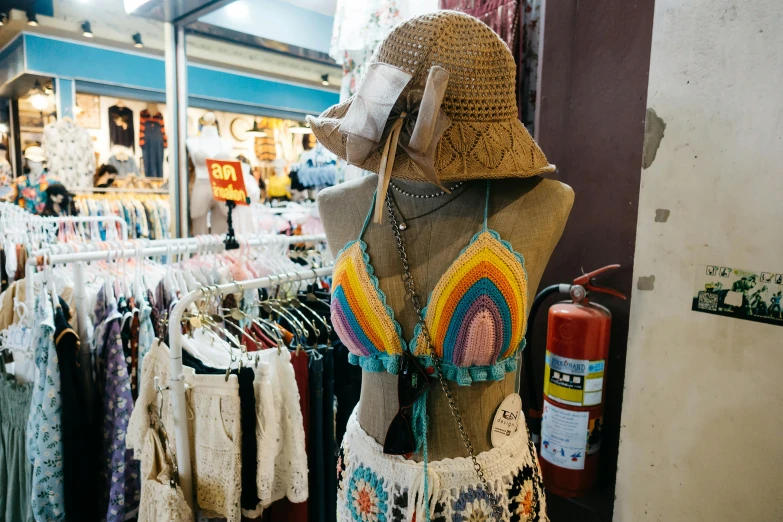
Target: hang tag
506,420
17,337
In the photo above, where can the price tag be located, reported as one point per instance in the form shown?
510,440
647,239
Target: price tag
506,420
228,183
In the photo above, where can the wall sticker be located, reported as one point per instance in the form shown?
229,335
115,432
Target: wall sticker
743,294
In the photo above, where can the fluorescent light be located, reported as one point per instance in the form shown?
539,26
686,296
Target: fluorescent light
256,131
132,5
38,98
301,129
237,10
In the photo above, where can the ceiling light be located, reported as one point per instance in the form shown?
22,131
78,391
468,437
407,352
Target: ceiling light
324,79
3,128
77,110
32,19
3,18
301,129
38,98
86,29
137,41
256,131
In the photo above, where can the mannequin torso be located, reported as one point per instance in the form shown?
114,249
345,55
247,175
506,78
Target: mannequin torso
208,145
529,213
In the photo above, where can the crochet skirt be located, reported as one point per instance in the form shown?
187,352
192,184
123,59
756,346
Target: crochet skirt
374,487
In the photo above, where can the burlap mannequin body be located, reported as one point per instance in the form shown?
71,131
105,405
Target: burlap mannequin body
530,213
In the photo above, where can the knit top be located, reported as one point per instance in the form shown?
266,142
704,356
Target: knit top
475,314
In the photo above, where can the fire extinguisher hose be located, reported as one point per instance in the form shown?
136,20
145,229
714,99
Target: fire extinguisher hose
535,403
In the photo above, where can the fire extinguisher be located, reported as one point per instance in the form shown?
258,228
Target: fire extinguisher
566,424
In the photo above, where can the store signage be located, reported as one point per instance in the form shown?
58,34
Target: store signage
228,183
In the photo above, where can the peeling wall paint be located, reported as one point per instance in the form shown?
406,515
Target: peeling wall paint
701,424
653,134
645,283
662,215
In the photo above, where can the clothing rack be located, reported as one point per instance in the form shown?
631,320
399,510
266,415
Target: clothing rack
134,249
177,383
113,190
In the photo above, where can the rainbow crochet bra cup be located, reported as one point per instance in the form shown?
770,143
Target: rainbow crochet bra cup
475,314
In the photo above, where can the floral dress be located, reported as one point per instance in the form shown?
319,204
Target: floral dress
44,437
120,475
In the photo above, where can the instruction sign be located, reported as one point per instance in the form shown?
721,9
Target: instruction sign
564,435
578,382
752,295
228,183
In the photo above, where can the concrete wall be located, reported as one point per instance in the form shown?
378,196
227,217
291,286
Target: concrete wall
702,422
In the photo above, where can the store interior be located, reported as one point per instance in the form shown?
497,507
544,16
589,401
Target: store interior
390,260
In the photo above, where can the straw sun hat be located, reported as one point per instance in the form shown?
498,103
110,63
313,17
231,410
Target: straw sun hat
437,104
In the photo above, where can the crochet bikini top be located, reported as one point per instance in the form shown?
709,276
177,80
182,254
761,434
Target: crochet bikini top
476,314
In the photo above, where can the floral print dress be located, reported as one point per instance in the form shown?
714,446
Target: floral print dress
120,474
44,436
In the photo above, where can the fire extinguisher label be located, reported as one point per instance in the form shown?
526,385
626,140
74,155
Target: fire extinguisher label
577,382
564,436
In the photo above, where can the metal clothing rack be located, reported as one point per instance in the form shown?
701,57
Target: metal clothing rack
177,383
134,249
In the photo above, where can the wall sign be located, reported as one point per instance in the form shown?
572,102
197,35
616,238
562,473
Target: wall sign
743,294
228,183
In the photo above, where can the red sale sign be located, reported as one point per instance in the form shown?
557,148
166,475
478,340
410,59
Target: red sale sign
228,183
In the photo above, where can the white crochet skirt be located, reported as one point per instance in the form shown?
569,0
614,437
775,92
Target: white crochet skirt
374,487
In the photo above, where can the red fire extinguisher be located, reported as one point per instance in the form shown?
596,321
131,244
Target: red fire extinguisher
566,425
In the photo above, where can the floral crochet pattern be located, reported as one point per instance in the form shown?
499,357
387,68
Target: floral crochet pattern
367,496
390,488
473,505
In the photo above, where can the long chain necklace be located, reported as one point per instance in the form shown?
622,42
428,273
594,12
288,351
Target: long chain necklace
410,291
424,196
403,224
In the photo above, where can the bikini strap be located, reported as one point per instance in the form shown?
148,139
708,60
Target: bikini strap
369,215
486,207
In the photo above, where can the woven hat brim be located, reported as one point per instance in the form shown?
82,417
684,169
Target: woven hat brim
467,150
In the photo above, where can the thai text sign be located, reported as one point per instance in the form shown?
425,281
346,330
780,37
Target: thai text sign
228,183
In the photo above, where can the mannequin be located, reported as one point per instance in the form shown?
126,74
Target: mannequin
208,145
530,213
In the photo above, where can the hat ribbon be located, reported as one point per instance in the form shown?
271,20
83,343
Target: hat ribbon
388,109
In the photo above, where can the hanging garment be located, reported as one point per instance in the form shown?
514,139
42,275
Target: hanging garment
31,192
282,460
153,141
347,389
16,473
125,165
284,510
78,436
121,131
70,155
214,418
120,475
375,486
44,424
160,500
318,426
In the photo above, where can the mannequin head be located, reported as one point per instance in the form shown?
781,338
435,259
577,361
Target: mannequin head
209,128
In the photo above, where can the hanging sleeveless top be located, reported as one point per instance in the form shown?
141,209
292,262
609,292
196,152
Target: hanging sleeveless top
476,314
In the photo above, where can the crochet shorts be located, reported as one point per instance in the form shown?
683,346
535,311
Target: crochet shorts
374,487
